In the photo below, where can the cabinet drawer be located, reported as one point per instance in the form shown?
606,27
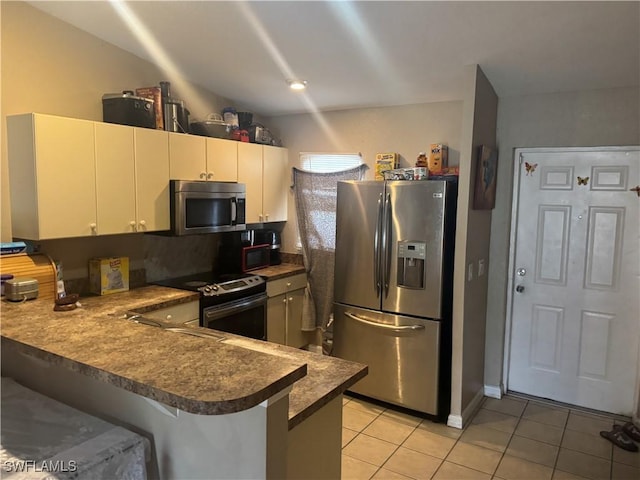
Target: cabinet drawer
286,284
178,314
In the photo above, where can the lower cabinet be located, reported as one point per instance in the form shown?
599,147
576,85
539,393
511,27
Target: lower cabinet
284,311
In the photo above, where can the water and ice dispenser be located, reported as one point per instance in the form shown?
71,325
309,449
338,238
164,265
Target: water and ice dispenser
411,264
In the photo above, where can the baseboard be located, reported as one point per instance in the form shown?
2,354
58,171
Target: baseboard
493,391
454,421
459,421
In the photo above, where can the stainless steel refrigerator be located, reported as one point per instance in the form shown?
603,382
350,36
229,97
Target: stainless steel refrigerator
393,288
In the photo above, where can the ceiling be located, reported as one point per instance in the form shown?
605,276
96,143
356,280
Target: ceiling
375,53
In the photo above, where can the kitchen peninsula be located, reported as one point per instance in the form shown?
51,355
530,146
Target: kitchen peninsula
229,407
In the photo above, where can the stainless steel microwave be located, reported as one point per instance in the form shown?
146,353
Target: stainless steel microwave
206,207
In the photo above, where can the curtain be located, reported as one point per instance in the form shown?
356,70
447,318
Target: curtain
315,197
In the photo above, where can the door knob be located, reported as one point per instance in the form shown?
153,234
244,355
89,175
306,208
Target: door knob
520,288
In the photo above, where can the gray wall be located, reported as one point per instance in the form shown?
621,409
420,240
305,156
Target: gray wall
472,245
599,117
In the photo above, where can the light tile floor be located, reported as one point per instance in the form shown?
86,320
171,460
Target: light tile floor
508,439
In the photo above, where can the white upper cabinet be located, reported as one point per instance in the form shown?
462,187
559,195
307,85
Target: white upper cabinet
222,160
187,157
193,157
276,183
152,179
75,178
264,171
115,179
52,176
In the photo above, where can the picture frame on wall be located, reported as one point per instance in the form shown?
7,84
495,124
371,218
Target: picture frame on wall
484,196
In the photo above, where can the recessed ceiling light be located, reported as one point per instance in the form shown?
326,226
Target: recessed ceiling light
297,84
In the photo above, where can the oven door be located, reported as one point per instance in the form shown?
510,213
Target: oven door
245,316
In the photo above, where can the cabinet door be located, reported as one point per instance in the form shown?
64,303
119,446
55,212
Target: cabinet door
187,157
152,179
275,184
222,160
65,172
295,337
250,173
115,185
276,317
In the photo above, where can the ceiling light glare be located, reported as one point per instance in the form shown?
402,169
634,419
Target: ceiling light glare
297,84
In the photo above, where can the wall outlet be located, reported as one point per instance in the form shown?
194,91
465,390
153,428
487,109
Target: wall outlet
470,272
481,267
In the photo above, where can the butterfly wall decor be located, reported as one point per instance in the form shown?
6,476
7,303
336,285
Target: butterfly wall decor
530,167
583,180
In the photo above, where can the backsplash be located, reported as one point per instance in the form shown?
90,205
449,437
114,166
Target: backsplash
167,257
294,258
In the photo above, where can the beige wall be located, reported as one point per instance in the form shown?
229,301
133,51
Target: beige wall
599,117
49,66
406,130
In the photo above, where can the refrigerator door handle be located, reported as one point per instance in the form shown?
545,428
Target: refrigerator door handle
386,248
376,248
373,323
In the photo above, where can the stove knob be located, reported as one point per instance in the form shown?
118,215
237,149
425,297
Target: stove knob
215,288
207,289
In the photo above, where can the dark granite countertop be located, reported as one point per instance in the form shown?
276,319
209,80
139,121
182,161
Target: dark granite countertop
240,373
197,375
275,272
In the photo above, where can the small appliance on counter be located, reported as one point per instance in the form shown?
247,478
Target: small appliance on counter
20,289
128,109
273,239
242,252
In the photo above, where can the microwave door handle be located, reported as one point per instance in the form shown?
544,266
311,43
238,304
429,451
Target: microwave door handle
234,211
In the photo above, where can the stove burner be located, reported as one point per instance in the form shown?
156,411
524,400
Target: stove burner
195,283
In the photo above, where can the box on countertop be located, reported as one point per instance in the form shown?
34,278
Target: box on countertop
109,275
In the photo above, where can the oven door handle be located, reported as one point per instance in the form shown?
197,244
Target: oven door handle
237,306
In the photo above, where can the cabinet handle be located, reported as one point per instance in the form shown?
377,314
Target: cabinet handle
288,284
142,223
203,175
267,216
291,299
93,227
260,216
284,300
210,175
132,224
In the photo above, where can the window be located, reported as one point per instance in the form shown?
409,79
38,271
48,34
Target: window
321,194
329,162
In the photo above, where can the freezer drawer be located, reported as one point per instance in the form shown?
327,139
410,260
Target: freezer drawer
402,354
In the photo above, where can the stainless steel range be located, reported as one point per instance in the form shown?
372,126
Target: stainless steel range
234,303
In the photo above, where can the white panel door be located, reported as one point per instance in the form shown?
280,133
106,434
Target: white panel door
575,323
